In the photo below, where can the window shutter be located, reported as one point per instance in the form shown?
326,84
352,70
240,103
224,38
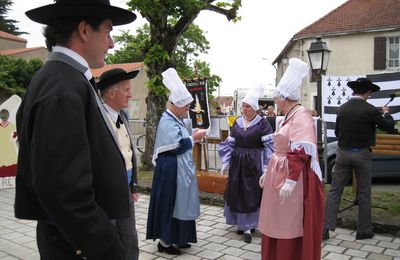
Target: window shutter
380,53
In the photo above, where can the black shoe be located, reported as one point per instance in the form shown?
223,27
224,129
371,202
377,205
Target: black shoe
247,238
241,232
361,236
325,235
169,250
185,246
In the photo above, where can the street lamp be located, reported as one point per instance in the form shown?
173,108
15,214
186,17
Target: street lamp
318,54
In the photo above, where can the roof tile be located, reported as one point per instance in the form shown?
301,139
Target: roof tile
125,66
224,100
18,51
355,16
12,37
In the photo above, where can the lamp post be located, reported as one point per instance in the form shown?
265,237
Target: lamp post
318,54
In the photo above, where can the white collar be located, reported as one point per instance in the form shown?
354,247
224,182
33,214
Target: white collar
111,112
172,114
75,56
356,97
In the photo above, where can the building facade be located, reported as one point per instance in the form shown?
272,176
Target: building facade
363,37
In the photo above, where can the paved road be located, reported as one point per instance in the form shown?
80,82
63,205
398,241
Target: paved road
216,240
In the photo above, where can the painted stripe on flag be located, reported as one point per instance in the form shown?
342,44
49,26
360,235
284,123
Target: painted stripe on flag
335,92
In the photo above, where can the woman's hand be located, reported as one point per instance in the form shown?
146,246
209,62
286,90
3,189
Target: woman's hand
224,169
199,135
287,188
261,181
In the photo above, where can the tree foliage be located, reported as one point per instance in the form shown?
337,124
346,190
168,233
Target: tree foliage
132,46
168,21
15,75
7,25
190,45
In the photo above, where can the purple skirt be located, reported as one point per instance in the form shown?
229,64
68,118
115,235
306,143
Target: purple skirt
244,221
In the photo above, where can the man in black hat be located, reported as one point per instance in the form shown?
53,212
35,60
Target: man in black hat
71,174
355,129
115,89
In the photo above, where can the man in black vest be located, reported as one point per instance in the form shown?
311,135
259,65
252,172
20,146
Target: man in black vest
71,175
355,129
115,89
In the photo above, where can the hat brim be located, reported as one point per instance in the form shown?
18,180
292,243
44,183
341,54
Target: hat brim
48,13
103,84
360,85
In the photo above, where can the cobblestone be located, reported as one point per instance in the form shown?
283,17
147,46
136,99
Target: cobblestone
216,240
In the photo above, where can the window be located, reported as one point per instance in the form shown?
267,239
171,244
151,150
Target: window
393,52
387,53
134,109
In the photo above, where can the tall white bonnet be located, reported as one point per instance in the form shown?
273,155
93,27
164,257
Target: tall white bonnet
290,83
179,95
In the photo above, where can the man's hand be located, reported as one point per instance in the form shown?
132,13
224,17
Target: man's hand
385,109
135,197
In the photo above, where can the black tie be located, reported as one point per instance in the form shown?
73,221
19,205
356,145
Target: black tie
119,121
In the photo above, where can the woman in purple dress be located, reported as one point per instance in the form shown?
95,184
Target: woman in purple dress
244,154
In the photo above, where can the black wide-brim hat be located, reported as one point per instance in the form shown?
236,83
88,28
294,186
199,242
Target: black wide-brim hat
363,85
114,76
80,8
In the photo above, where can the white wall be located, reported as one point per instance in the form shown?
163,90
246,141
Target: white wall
350,55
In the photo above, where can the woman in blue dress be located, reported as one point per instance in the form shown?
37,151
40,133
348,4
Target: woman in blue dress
174,201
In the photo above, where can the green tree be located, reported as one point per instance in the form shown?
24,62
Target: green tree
7,25
15,75
168,20
132,46
190,45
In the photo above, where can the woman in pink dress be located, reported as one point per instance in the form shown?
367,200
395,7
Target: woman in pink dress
291,212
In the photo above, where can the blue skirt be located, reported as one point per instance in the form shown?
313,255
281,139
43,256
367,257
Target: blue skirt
160,223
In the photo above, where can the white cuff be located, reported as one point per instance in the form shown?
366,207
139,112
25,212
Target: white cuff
290,182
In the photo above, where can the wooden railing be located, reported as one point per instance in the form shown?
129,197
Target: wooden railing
386,144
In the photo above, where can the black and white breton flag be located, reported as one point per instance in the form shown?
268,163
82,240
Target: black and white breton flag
335,92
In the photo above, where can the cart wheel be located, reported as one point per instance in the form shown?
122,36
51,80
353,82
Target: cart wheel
140,143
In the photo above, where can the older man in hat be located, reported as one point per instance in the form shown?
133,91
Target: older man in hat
355,129
71,174
115,89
